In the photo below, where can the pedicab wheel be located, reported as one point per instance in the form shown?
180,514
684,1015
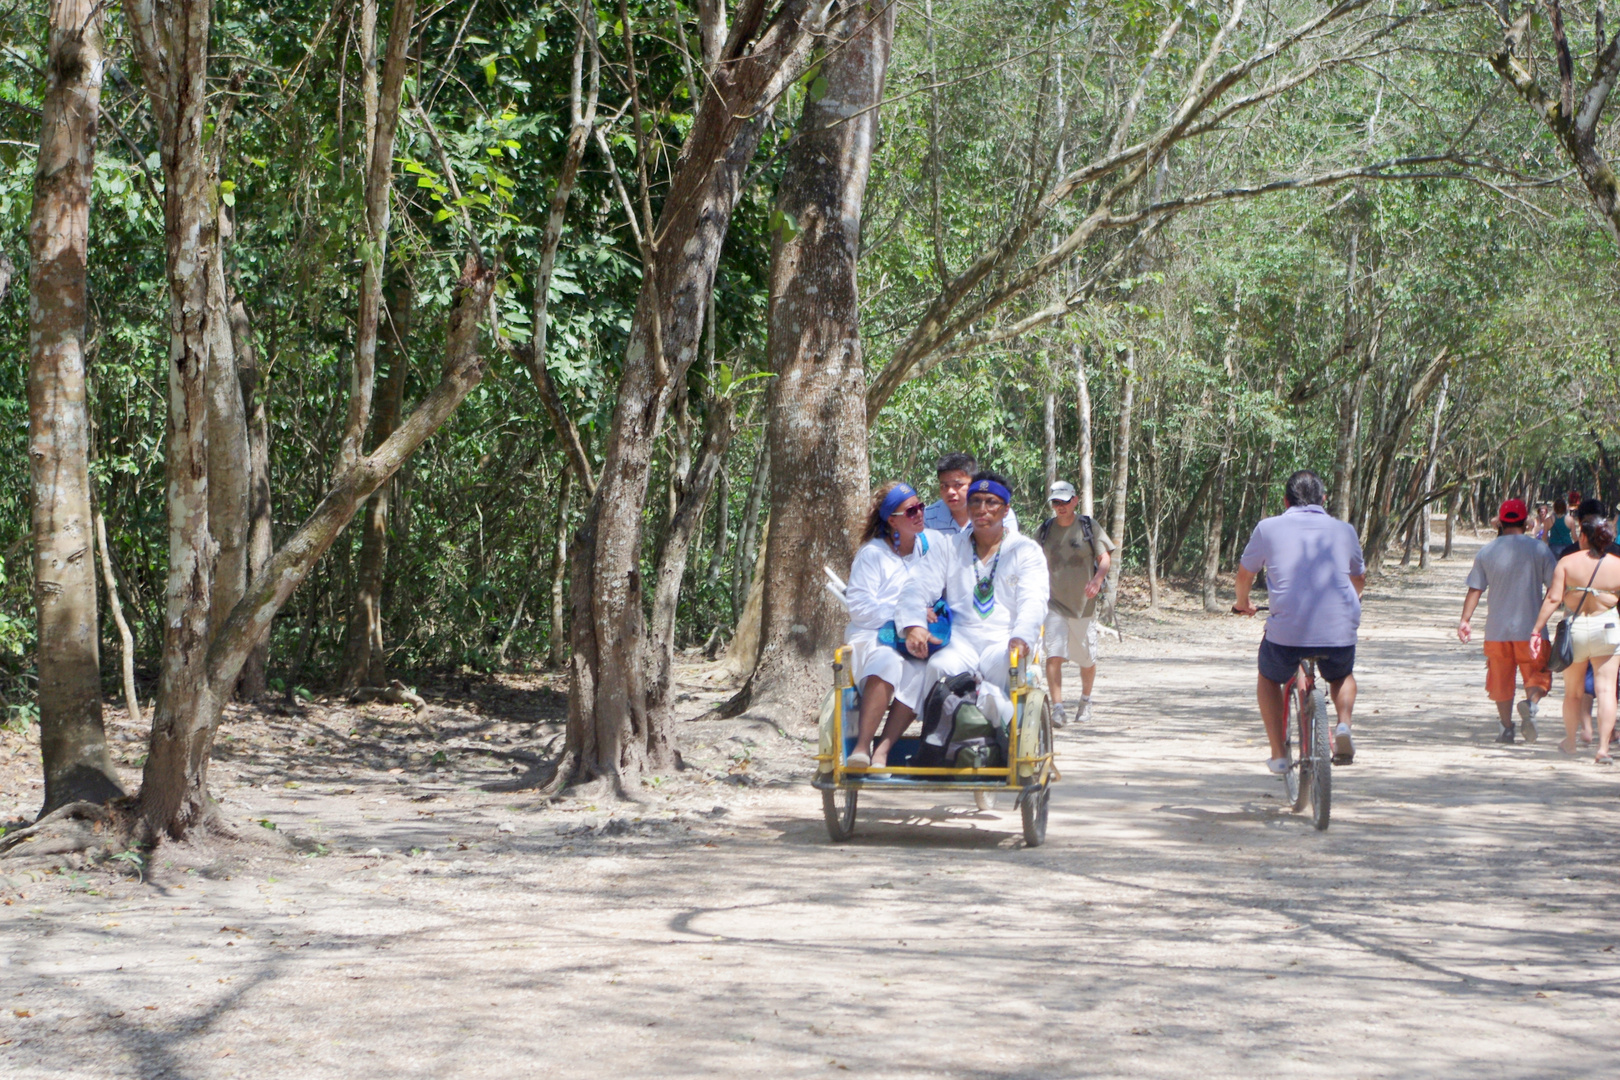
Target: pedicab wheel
1035,802
1034,807
984,800
1296,777
1322,763
840,818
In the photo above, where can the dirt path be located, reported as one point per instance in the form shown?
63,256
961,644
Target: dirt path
1458,920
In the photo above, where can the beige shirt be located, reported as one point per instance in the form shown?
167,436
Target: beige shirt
1072,562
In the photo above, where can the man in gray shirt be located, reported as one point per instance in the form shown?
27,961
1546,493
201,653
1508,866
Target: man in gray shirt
1516,569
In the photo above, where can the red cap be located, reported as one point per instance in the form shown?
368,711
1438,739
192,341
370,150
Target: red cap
1513,512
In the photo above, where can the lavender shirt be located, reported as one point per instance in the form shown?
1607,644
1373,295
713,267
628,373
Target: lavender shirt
1309,558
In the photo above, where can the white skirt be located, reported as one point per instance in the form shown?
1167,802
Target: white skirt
904,673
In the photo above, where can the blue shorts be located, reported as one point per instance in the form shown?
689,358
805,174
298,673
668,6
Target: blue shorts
1279,662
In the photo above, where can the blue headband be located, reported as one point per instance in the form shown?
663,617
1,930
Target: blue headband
990,487
893,500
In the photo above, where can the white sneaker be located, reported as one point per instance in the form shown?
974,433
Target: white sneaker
1084,712
1344,748
1059,717
1277,765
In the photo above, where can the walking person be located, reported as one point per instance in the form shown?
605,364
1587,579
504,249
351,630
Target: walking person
1594,629
1558,534
1515,569
1314,576
1077,559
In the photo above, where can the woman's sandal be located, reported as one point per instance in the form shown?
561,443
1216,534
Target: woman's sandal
1603,759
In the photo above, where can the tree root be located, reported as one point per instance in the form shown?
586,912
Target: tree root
395,692
81,830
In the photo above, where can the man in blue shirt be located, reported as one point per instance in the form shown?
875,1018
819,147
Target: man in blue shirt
1314,577
949,514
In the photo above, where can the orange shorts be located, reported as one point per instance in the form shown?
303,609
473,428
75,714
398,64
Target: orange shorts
1501,658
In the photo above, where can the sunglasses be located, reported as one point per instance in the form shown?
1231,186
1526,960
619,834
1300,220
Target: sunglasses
915,510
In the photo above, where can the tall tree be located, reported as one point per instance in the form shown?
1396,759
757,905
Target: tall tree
815,412
610,733
364,659
72,740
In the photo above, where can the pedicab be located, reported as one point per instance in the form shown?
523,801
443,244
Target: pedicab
1027,774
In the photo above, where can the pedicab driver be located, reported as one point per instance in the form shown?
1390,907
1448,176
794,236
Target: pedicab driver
1314,576
995,582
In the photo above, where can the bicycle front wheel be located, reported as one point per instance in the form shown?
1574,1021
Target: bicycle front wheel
1321,761
1295,779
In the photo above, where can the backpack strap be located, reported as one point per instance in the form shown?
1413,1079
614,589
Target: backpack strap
1046,527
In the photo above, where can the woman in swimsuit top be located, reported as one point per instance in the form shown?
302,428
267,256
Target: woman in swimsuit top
1587,583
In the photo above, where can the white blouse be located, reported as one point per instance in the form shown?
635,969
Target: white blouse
877,578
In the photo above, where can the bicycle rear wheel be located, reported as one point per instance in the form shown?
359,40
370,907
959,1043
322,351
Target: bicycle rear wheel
1294,779
1321,761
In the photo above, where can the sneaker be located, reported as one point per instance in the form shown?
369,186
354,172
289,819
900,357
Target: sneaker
1277,765
1059,717
1344,747
1506,734
1527,720
1084,712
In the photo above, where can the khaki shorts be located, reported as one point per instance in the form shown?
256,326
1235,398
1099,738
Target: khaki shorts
1070,639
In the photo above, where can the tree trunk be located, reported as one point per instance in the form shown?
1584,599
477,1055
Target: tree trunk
260,541
171,42
1427,512
556,647
126,657
742,571
671,561
1122,471
174,790
1223,468
1083,414
228,456
1049,431
1453,501
816,405
610,734
722,525
73,742
379,201
365,661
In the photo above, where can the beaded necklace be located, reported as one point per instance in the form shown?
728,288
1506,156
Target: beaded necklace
984,590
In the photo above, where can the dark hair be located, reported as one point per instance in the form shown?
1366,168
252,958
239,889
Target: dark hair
1590,508
993,477
956,463
876,524
1560,506
1599,532
1304,488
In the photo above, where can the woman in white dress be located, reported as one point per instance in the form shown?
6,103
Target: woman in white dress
895,541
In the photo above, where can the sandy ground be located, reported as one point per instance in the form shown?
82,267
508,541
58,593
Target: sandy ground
435,920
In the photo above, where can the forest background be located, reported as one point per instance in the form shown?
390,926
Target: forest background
704,275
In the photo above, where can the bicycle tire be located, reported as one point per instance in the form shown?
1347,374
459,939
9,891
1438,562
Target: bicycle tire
1322,763
840,818
1035,802
1296,777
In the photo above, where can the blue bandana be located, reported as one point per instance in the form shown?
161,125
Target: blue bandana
990,487
895,499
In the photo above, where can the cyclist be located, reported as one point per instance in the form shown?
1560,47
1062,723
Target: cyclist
1314,576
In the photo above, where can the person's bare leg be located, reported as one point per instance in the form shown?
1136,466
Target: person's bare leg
1273,713
1504,712
1088,678
1603,676
900,717
1574,712
1343,694
1054,679
875,697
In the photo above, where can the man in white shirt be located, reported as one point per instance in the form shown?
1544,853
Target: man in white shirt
996,584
